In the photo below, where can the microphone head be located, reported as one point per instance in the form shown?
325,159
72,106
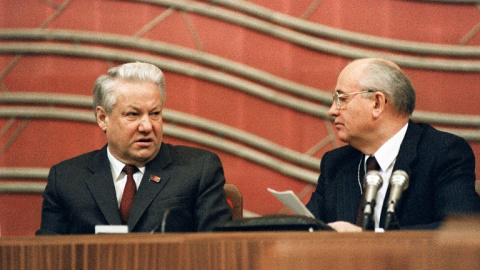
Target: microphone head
373,178
399,178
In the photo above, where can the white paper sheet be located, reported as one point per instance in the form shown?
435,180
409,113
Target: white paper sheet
290,200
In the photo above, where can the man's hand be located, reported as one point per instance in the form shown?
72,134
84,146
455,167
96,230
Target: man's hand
343,226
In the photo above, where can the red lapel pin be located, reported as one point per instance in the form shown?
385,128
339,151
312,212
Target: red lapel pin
155,178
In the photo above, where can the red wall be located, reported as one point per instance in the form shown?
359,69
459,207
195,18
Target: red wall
44,143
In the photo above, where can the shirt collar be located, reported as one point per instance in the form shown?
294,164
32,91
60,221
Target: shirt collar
116,166
388,152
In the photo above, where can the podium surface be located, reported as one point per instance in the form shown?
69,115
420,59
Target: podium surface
457,248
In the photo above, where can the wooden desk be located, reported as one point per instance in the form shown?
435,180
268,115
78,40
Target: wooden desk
443,249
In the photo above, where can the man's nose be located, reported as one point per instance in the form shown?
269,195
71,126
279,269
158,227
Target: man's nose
333,110
145,124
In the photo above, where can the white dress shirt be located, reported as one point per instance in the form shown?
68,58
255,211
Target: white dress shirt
120,177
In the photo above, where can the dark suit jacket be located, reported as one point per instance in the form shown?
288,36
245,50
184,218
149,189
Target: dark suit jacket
441,168
80,194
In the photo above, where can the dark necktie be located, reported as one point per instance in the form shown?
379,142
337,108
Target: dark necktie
372,164
128,193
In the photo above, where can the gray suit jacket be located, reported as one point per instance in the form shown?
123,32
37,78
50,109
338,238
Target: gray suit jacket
441,168
80,194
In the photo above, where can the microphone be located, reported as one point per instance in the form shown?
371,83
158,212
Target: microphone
399,183
373,181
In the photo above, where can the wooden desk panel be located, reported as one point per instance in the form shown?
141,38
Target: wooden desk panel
257,250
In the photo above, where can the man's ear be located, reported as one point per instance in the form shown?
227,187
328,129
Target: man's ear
102,118
380,103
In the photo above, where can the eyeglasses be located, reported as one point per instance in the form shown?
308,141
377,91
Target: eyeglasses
340,98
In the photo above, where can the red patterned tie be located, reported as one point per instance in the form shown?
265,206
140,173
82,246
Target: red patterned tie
128,193
372,164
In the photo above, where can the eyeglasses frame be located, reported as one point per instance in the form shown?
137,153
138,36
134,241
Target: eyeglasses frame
336,96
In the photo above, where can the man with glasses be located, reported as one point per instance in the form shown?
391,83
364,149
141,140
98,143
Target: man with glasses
372,103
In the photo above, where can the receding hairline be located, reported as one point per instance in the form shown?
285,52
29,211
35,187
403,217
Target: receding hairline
365,62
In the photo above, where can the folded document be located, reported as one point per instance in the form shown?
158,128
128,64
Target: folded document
290,200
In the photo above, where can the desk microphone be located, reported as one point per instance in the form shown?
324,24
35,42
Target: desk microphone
398,183
373,180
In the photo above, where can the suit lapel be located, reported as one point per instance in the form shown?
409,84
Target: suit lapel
102,188
408,149
406,156
149,189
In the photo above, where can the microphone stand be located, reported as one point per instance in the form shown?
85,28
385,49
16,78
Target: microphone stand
163,224
367,216
391,221
398,183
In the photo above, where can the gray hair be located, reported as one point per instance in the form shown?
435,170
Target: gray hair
385,77
103,94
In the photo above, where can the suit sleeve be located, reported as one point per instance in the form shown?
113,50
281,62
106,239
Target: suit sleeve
316,204
54,216
211,207
452,182
455,183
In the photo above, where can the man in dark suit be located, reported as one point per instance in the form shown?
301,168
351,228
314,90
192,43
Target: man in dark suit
173,188
372,103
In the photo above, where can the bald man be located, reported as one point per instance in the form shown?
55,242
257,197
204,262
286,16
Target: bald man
372,104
